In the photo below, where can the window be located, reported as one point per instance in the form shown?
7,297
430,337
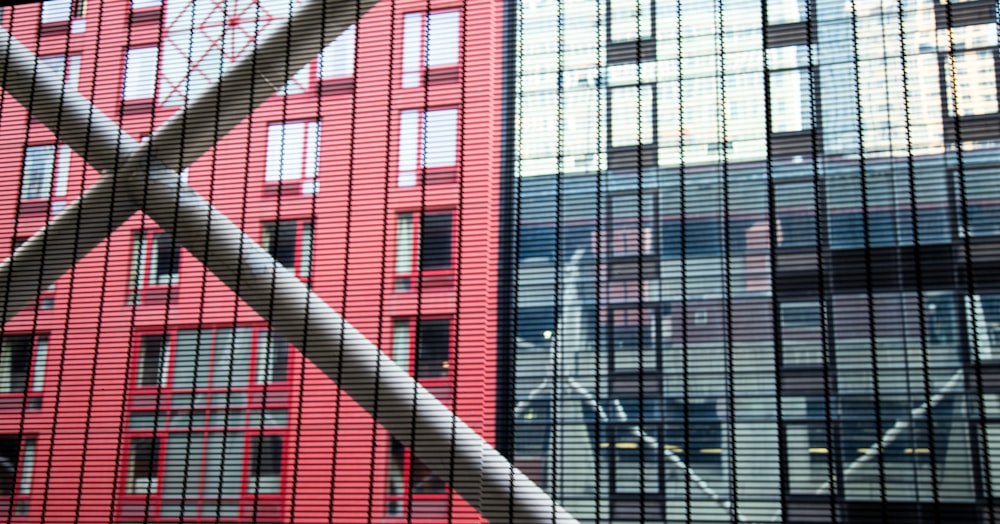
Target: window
218,358
155,261
633,128
428,343
970,69
139,83
146,4
430,46
272,358
16,356
67,69
422,246
632,115
337,59
153,355
45,172
786,11
17,464
801,334
411,482
290,243
789,83
631,20
55,11
214,444
265,464
292,151
143,466
428,142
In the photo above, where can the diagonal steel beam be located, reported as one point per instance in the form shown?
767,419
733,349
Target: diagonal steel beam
146,173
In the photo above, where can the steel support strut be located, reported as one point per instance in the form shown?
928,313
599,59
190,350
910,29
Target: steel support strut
147,175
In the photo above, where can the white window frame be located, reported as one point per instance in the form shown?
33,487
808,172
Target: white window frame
292,151
145,254
51,178
139,76
430,40
427,140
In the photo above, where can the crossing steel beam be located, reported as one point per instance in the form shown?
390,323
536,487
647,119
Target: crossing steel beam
146,175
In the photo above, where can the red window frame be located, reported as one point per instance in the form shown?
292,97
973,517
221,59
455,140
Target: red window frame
147,288
419,73
15,498
259,377
274,240
420,259
413,490
413,147
404,503
203,417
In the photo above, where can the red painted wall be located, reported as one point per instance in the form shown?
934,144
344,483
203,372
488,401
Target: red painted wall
334,465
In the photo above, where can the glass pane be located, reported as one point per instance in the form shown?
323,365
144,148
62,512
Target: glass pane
143,466
404,243
265,464
140,73
231,365
433,342
435,241
224,464
272,358
152,360
36,178
632,110
183,465
401,343
413,25
442,38
337,59
440,138
409,123
15,362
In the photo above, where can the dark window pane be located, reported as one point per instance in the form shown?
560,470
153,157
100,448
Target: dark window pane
435,241
266,456
167,263
151,360
143,465
280,240
15,363
422,479
10,450
432,348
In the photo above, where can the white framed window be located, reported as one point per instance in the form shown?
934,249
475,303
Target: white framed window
57,11
290,243
428,140
272,358
146,4
337,58
633,110
155,260
430,40
45,172
140,73
66,68
292,151
22,363
789,84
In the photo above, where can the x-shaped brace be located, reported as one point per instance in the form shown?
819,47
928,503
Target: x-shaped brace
143,176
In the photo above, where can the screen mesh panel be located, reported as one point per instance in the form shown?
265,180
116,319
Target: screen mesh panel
650,260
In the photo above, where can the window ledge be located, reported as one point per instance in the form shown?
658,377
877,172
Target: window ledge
291,188
149,15
336,86
154,296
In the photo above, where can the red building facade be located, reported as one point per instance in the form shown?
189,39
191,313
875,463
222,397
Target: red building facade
141,389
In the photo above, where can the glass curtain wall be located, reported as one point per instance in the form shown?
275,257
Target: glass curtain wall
752,269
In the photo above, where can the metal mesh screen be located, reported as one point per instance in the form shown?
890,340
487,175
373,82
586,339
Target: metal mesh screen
440,261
